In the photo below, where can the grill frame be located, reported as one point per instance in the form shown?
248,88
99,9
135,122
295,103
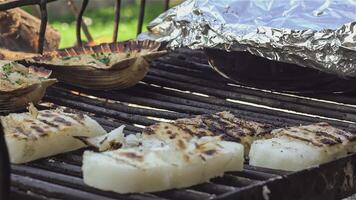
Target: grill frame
4,167
59,177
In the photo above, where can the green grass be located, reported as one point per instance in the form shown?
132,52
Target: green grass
102,23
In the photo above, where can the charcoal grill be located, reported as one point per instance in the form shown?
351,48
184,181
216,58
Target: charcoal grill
182,84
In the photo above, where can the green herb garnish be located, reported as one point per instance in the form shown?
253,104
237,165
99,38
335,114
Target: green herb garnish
67,57
101,57
105,60
5,78
96,56
7,68
19,81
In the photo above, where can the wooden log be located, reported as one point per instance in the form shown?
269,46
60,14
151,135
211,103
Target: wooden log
19,31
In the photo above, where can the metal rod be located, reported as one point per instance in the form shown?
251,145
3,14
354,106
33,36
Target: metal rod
267,99
79,22
101,111
55,93
85,29
4,167
117,20
43,26
222,94
166,5
173,67
141,16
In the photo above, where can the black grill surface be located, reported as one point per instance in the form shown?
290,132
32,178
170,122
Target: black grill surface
180,85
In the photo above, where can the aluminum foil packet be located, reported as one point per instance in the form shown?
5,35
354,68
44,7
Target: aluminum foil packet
312,33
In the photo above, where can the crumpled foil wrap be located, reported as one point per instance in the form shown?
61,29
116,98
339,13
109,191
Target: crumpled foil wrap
312,33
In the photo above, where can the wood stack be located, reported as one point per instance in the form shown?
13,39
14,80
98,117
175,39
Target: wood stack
19,31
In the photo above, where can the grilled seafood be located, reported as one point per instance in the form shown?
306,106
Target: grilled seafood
301,147
106,66
223,123
156,165
183,153
20,85
37,134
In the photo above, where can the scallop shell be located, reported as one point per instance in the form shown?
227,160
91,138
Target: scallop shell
123,73
17,98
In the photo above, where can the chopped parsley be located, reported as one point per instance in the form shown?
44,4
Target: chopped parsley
6,78
19,81
97,56
101,57
67,57
7,68
105,60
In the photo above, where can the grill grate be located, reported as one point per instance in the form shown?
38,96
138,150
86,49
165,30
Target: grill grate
179,85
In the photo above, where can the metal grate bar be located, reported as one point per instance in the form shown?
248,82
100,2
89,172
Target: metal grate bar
84,28
72,182
79,22
264,172
268,98
262,95
43,26
185,194
25,195
204,72
213,188
166,105
235,181
141,16
99,110
202,108
117,106
231,95
4,167
342,98
266,114
53,190
166,5
57,165
117,20
213,103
